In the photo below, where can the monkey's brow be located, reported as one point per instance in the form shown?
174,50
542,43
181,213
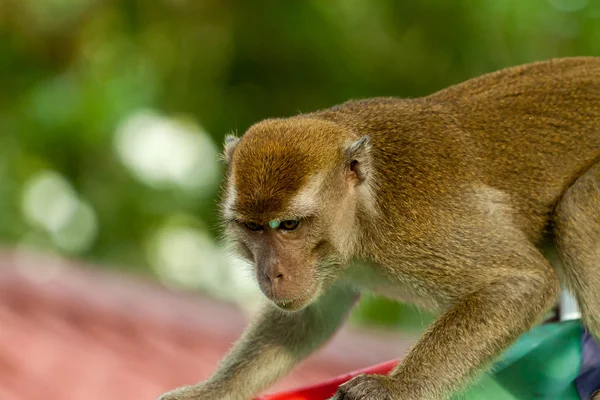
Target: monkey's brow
265,221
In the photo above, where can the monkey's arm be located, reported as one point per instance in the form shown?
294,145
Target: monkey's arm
467,337
271,346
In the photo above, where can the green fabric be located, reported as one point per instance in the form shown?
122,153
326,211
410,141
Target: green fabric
541,365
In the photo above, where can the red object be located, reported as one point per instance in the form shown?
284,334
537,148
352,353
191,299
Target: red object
325,390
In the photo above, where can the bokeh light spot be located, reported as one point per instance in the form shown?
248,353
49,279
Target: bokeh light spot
163,152
78,233
48,201
186,257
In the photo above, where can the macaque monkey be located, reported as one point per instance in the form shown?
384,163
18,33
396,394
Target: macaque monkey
445,201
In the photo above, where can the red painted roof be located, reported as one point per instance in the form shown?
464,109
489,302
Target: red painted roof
80,333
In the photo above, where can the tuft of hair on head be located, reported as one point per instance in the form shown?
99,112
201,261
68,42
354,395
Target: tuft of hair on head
230,143
358,159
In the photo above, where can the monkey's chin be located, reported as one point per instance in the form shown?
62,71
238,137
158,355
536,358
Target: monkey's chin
292,305
298,303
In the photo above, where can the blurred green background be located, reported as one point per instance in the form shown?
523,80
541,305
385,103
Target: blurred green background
112,113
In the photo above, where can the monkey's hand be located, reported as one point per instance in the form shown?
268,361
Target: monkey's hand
192,392
368,387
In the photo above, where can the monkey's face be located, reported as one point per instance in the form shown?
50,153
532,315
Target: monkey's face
299,251
289,205
288,257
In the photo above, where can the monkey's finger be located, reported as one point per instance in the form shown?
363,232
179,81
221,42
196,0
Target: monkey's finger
338,396
346,396
182,393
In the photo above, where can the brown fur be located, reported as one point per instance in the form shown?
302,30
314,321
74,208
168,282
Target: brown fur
443,201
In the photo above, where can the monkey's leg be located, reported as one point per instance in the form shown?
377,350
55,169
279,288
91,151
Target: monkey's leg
577,235
508,298
270,347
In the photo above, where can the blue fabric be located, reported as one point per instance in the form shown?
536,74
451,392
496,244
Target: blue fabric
588,381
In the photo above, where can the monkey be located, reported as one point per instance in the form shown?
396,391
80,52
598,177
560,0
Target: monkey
445,201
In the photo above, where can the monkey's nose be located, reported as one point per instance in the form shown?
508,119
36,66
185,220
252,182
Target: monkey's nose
276,279
274,272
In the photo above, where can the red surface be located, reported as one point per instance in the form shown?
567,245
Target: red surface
325,390
70,332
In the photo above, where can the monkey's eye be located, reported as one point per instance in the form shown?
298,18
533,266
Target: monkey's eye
289,225
253,226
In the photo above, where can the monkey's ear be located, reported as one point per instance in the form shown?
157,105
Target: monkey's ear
231,142
358,159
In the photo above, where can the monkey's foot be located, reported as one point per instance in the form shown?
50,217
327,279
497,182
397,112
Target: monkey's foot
368,387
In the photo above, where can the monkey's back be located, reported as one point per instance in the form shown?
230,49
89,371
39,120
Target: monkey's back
536,127
528,131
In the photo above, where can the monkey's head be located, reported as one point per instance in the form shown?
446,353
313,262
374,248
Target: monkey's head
293,190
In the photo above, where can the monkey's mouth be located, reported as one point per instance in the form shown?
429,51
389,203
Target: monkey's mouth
291,305
284,304
298,303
